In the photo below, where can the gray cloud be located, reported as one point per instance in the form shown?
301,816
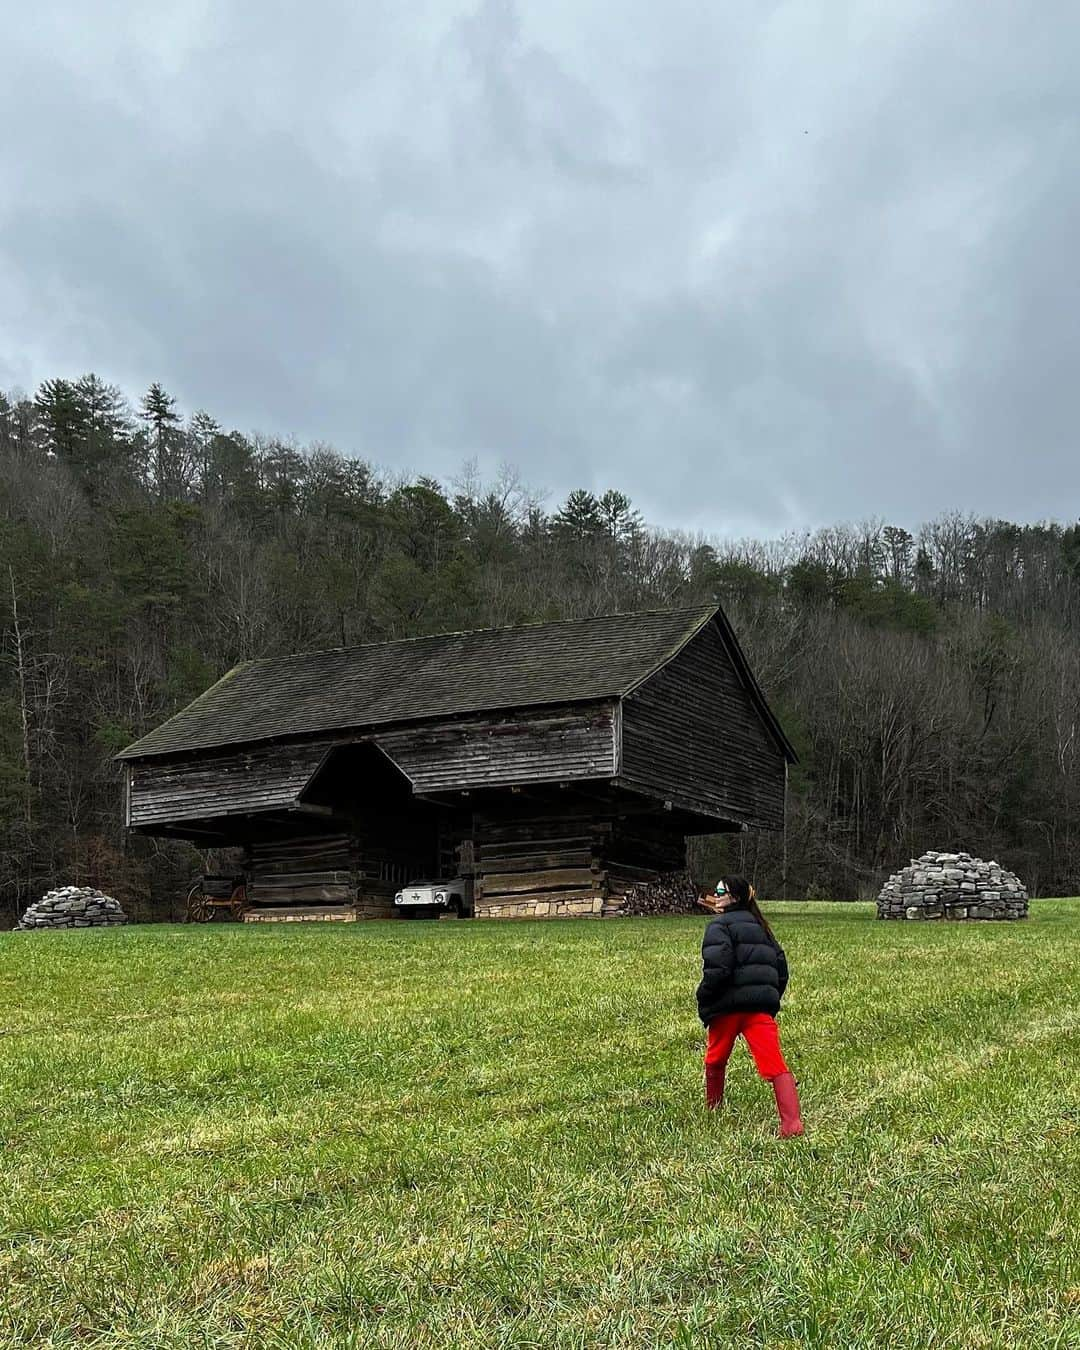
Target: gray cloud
762,266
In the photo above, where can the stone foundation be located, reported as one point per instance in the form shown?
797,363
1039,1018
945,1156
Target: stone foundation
952,886
549,907
307,914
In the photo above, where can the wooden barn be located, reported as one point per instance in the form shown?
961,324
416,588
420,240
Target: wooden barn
562,765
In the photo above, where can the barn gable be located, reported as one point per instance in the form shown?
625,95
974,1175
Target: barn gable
697,730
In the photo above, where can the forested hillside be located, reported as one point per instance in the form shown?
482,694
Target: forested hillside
930,682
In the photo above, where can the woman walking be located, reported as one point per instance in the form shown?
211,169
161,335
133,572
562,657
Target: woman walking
744,976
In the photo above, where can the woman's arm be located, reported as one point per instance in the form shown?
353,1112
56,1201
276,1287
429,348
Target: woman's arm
782,968
717,957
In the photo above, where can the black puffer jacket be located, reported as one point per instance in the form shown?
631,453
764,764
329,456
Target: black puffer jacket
744,970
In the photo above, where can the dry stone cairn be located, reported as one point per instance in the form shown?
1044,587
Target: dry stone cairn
952,886
74,907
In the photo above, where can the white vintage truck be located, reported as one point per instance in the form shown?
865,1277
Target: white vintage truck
432,899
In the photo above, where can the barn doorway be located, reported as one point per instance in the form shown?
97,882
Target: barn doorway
397,837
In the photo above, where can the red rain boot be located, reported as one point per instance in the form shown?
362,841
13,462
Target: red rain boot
714,1085
787,1106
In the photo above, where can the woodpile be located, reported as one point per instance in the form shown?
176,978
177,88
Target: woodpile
644,865
671,893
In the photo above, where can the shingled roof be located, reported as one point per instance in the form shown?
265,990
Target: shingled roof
350,688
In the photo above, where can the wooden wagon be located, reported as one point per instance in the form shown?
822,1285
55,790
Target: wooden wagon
211,896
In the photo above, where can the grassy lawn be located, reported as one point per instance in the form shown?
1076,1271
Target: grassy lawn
492,1135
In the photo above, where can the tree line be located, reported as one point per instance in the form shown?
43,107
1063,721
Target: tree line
930,679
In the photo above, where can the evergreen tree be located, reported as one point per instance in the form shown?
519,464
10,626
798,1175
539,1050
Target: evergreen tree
284,471
158,411
618,517
579,518
61,419
203,433
898,546
106,430
425,527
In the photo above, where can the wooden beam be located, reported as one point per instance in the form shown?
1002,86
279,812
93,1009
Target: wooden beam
507,883
182,832
321,813
450,801
710,823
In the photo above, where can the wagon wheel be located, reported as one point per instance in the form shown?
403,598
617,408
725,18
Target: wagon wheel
198,907
238,902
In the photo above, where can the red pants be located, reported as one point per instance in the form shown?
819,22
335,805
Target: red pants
760,1033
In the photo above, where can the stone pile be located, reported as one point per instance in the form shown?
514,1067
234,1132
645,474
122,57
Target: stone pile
952,886
74,907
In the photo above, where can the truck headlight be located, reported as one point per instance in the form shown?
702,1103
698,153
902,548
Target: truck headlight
397,898
441,897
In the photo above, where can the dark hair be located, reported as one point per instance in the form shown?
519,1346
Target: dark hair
739,890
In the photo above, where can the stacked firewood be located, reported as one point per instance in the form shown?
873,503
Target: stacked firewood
646,871
670,893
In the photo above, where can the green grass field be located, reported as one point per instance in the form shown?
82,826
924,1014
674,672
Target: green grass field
492,1135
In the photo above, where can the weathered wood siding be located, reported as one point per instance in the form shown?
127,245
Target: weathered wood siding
290,875
358,872
260,779
536,863
552,745
692,732
638,852
559,861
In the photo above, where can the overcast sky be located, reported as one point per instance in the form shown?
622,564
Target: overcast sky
762,265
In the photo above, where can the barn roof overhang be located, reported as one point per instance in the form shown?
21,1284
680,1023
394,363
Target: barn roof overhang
624,652
600,796
432,679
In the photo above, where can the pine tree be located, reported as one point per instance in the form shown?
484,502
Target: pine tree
106,423
61,419
579,517
158,411
619,518
203,434
284,470
899,543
